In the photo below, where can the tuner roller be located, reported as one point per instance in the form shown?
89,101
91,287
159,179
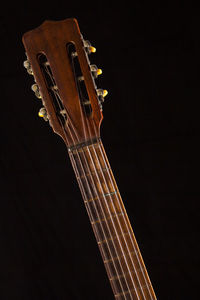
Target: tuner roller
35,89
43,113
74,54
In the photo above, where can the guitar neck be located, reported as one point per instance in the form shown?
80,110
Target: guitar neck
117,244
58,58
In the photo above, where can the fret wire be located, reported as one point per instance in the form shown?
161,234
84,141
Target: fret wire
127,273
94,199
83,194
109,218
138,254
91,158
117,257
109,239
113,276
140,288
96,223
87,174
100,195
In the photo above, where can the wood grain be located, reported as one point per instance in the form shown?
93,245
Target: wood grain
51,39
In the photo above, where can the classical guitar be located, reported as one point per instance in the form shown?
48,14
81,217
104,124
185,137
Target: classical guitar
58,59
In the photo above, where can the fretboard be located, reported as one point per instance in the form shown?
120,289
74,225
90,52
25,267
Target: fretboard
117,244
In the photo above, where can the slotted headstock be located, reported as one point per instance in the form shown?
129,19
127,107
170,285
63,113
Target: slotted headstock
57,57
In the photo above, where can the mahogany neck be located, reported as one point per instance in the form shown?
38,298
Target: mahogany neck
121,255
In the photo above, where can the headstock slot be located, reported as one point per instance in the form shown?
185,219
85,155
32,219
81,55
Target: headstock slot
79,78
52,88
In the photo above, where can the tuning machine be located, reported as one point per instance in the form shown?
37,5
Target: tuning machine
89,48
95,71
43,114
36,90
27,66
101,94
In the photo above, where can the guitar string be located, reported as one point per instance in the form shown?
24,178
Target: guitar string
96,210
91,217
109,230
96,191
119,202
100,184
88,127
108,208
137,253
97,195
83,192
114,226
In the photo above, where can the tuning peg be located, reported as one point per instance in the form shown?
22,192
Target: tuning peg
102,93
27,65
95,71
89,47
43,113
36,90
92,49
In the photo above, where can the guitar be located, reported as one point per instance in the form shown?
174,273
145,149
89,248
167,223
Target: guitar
58,58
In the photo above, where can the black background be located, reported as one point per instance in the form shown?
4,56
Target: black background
149,54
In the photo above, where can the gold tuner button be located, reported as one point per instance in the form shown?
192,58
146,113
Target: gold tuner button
89,47
86,43
27,65
105,93
35,89
43,113
101,92
95,71
99,72
92,49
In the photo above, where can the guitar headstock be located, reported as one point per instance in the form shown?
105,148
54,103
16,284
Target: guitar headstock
58,58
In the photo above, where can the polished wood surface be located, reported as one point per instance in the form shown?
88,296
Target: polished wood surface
80,129
51,39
